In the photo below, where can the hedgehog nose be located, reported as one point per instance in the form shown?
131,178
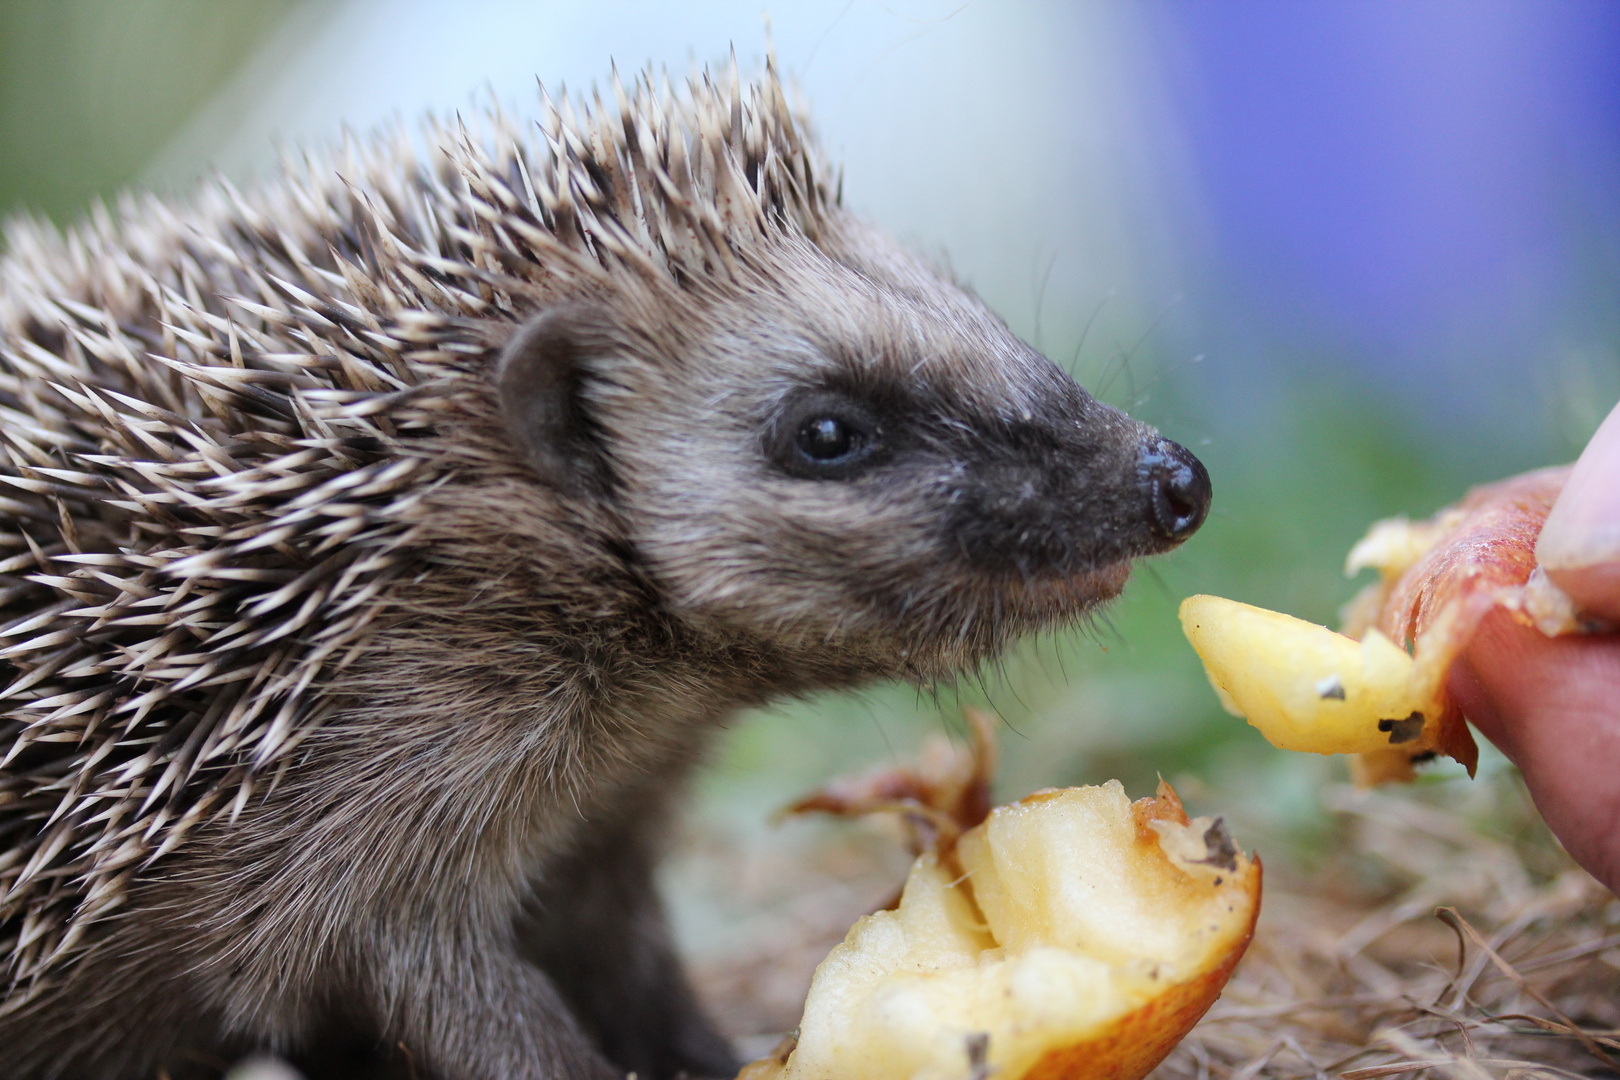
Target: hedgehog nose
1177,488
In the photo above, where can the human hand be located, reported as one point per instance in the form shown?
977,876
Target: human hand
1552,705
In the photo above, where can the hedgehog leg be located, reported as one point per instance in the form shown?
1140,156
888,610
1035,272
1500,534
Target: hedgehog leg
489,1016
597,927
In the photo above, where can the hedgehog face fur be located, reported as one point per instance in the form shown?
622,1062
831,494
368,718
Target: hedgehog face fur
849,458
379,547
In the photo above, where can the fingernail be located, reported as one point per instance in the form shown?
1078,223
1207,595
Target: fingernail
1579,545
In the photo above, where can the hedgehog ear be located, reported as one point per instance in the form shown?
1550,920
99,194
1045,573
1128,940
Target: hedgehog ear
540,377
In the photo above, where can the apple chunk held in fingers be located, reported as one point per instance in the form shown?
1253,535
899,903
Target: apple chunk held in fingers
1378,689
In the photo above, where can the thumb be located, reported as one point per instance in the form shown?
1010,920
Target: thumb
1579,546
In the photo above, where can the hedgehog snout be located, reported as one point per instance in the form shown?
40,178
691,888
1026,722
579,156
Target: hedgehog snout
1177,488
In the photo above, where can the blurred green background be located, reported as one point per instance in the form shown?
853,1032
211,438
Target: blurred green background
91,90
1305,449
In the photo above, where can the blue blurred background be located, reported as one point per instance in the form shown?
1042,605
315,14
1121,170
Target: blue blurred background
1423,193
1359,255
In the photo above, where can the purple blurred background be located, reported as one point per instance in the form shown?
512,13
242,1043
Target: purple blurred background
1428,192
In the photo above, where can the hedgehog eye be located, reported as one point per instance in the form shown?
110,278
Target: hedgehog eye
824,435
826,438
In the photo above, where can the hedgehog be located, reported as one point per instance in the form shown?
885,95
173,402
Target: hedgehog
380,545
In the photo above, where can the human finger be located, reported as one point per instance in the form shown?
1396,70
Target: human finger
1579,547
1553,706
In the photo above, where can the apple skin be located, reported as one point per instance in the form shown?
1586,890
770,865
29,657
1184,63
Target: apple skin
1134,1045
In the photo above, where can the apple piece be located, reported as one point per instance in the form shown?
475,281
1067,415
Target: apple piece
1072,935
1308,688
1437,580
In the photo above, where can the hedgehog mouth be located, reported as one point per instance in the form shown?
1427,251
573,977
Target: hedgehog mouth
1109,581
1101,583
990,613
1051,596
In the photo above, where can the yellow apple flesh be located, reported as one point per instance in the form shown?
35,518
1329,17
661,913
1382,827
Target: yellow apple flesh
1071,936
1307,688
